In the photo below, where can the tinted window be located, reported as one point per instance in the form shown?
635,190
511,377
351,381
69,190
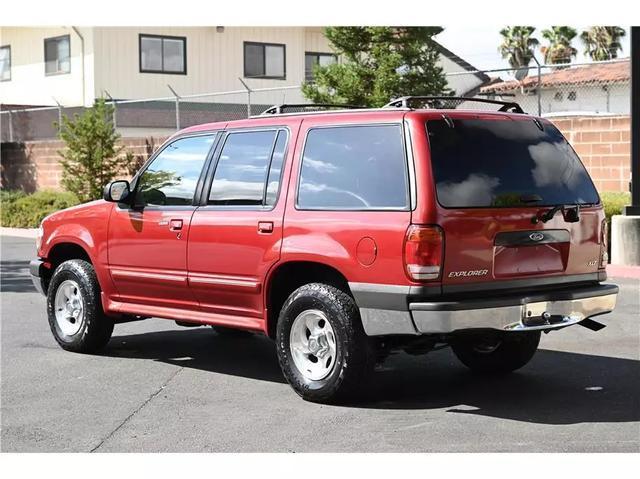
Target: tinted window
172,176
57,55
356,167
275,171
480,163
243,169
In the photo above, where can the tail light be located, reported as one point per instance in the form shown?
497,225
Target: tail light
423,249
604,242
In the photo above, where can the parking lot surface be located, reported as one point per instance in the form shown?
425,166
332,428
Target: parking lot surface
158,387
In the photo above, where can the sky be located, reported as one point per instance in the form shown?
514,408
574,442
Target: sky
478,45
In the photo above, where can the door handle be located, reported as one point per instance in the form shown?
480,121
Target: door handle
175,225
265,227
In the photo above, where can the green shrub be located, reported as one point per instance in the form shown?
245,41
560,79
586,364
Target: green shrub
8,196
614,202
27,211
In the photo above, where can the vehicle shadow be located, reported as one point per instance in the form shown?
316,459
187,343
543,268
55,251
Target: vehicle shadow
14,277
555,388
201,348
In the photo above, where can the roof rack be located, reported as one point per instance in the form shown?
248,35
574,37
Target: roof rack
280,109
404,102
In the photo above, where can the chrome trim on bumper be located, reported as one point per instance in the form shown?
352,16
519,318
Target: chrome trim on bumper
523,317
385,309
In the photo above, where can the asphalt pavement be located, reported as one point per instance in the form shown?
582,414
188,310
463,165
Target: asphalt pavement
159,387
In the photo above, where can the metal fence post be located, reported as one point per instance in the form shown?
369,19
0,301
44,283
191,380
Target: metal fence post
114,112
177,106
248,97
539,86
59,115
10,126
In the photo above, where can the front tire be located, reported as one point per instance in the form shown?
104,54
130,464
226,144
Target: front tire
496,353
322,349
75,313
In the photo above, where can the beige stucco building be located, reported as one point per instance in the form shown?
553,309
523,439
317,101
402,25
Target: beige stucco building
74,65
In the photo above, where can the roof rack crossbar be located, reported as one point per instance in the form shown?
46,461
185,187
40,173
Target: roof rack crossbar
404,102
279,109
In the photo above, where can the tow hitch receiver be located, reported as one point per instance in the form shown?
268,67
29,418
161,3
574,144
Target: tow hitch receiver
544,319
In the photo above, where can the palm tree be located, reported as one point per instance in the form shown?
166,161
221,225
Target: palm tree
518,45
603,43
559,49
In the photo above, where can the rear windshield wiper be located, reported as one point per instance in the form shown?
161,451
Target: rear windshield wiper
571,213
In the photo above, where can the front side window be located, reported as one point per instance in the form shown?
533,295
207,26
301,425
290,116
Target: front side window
5,63
57,55
264,60
161,54
249,169
172,176
320,59
493,163
354,168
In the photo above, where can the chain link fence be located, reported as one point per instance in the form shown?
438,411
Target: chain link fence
149,117
591,89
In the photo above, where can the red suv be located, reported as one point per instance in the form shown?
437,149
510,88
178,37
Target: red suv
344,235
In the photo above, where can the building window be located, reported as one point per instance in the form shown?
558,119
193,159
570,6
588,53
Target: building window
264,60
163,54
312,59
558,96
572,96
5,63
57,55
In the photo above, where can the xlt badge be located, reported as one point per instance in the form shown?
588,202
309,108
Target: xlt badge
472,272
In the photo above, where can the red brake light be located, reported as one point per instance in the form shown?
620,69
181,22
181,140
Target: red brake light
423,249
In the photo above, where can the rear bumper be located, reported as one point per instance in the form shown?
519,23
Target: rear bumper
35,269
515,312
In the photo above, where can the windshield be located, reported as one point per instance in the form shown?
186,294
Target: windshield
493,163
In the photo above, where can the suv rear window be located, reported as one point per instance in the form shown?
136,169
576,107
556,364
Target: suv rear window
492,163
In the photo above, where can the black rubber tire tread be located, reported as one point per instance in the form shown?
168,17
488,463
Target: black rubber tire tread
232,332
355,356
97,327
515,351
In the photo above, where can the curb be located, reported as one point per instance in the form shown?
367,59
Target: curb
19,232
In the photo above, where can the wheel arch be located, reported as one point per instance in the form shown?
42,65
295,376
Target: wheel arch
62,251
286,277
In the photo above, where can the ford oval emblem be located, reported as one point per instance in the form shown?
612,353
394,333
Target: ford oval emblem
536,236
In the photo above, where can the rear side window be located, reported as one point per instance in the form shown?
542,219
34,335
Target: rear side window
354,167
172,176
249,169
494,163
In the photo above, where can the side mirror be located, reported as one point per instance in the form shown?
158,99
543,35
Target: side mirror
117,191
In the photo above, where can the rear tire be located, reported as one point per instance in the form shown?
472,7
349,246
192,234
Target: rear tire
74,308
322,348
496,353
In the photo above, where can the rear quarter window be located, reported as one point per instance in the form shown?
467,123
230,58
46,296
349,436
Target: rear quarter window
354,168
505,163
